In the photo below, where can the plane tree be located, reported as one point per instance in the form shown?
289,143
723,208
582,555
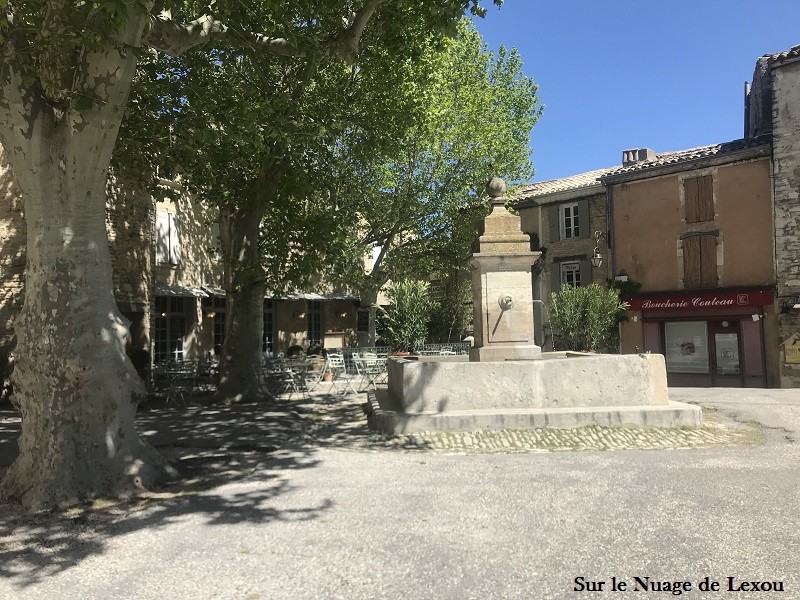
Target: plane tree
66,69
417,207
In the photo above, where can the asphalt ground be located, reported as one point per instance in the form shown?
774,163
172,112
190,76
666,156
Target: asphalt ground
299,500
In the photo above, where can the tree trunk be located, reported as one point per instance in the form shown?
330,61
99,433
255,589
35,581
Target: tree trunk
244,316
75,387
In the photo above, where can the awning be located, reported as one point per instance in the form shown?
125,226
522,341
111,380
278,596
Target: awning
214,291
163,289
315,296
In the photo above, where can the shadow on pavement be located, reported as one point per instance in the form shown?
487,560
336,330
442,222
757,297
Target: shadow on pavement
210,446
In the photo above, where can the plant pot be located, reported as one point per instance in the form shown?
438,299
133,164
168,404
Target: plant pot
401,353
327,376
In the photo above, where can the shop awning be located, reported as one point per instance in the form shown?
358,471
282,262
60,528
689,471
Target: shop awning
163,289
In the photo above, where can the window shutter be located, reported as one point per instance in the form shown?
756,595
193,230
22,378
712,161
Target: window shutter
586,272
708,261
584,230
705,198
162,237
555,277
174,240
691,262
690,199
554,215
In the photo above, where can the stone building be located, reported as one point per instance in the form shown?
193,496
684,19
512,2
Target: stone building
695,229
711,234
167,277
773,107
566,221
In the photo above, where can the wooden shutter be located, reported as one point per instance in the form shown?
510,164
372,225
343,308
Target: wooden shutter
174,241
584,230
705,198
708,260
162,237
586,272
554,215
691,262
690,200
698,196
555,277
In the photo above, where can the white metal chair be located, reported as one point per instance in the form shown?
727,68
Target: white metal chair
342,380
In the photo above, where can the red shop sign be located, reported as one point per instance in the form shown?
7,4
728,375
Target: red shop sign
701,301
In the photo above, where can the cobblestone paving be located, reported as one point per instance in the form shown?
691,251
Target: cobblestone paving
342,423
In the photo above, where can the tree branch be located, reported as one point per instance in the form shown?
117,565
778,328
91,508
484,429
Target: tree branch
174,38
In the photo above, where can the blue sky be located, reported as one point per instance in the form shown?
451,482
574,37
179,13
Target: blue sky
621,74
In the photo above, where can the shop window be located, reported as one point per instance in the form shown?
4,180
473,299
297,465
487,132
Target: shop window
170,327
698,196
700,261
686,347
168,245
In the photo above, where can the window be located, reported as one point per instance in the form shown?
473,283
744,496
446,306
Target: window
168,247
268,338
700,260
217,306
570,221
686,347
170,325
571,274
698,199
314,316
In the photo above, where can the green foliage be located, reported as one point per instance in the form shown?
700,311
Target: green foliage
404,324
421,200
625,288
586,318
453,310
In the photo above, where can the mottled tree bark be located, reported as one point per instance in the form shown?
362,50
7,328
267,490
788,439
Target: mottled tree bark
244,317
74,385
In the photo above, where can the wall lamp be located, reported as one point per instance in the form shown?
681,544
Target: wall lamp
597,258
299,315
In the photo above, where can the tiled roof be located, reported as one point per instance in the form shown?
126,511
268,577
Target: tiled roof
552,186
693,154
793,52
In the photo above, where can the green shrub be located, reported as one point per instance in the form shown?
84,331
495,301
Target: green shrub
586,318
404,324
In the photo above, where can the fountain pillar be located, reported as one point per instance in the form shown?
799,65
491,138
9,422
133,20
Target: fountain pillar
502,294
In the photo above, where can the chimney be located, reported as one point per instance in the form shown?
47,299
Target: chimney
637,155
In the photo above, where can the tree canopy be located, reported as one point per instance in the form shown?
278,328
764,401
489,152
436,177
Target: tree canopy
65,71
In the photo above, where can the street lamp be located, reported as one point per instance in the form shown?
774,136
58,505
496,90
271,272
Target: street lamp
597,258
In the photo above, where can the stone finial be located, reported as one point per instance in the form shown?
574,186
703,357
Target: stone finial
495,187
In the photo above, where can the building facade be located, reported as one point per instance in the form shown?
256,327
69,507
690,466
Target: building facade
695,229
710,237
566,220
168,279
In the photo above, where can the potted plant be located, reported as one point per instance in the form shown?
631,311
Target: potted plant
404,323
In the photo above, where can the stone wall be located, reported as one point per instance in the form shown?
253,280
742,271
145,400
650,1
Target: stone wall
786,185
12,263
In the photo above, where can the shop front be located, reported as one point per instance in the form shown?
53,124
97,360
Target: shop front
708,339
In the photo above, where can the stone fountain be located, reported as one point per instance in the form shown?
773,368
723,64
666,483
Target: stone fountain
506,381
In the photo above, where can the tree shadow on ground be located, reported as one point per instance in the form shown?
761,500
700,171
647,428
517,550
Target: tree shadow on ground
251,445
